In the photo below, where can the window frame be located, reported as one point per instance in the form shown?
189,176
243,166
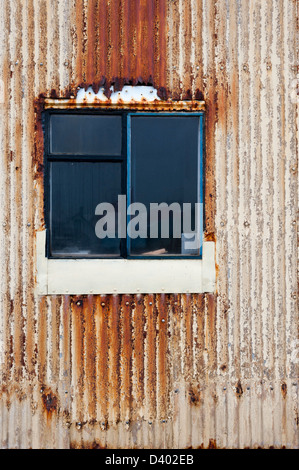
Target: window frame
125,159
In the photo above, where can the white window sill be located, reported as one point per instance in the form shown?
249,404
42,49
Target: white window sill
122,276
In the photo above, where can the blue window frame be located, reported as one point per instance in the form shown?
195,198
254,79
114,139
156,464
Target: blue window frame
152,158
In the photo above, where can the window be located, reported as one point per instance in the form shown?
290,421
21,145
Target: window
123,197
124,184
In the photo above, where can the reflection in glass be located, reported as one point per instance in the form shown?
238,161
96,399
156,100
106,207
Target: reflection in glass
75,134
76,189
164,168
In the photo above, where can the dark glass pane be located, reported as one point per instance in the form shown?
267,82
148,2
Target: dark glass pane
76,189
76,134
165,168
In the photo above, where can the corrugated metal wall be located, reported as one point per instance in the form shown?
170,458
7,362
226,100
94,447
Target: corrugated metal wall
98,371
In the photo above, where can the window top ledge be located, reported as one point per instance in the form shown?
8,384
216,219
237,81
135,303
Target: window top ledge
138,97
156,105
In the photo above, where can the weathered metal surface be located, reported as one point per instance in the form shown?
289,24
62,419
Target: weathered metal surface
222,370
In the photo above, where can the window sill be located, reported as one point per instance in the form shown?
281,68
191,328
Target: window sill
123,276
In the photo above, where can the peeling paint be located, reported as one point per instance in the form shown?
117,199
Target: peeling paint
126,95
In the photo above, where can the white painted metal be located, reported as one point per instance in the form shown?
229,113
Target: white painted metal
120,276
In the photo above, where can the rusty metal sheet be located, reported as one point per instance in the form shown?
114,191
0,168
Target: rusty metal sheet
105,371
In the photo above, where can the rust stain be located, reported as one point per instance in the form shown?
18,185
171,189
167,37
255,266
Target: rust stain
210,329
162,328
194,394
210,237
212,444
96,444
239,389
121,43
186,86
78,304
284,389
126,358
199,305
217,269
101,331
90,354
114,357
49,400
38,158
187,313
138,353
64,102
150,363
211,92
210,190
42,341
86,445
